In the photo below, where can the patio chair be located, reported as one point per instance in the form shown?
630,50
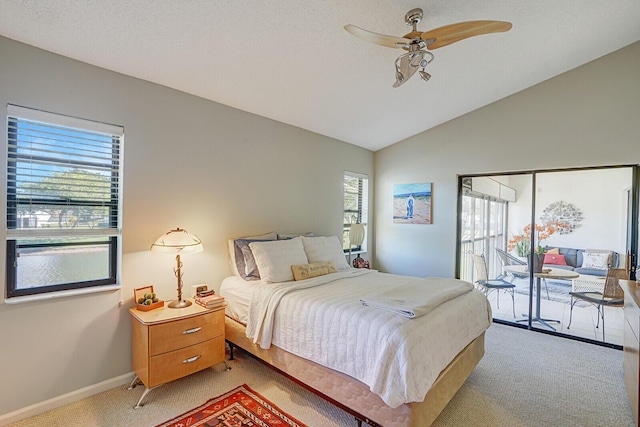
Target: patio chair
488,286
507,259
611,296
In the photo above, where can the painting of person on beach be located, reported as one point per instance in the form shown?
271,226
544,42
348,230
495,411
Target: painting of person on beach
412,203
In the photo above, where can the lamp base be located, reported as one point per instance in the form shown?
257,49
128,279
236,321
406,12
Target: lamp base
360,262
179,304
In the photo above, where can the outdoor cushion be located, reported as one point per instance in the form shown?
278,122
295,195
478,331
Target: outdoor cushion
554,259
595,260
591,271
570,256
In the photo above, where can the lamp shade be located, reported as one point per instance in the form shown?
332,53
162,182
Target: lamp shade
177,241
356,234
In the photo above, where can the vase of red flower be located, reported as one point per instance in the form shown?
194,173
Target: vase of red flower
520,243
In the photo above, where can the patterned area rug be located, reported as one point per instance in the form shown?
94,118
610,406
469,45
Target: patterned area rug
558,292
238,407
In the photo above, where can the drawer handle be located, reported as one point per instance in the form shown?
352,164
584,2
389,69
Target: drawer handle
191,331
191,359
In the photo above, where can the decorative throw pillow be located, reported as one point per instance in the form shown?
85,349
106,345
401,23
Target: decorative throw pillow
554,251
602,251
554,259
315,269
275,258
598,261
331,268
328,248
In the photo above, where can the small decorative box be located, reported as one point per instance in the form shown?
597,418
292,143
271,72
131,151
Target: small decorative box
140,293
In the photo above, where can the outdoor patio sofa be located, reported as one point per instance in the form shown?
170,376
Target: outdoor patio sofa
574,259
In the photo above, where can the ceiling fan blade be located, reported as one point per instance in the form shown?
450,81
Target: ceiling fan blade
452,33
380,39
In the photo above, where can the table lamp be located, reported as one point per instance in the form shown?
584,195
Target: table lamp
178,242
356,236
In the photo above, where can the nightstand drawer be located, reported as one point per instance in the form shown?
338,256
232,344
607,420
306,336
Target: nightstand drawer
179,363
182,333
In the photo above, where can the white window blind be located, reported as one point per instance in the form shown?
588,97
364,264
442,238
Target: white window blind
356,203
63,175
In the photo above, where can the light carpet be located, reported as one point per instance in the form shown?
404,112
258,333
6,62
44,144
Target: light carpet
525,379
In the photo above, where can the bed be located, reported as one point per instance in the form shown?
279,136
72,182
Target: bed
347,334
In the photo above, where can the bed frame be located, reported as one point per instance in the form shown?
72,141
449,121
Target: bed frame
354,396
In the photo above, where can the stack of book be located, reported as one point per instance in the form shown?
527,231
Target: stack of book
209,301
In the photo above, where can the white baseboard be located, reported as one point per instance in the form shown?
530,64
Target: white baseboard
64,399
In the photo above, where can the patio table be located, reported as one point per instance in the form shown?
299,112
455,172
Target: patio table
547,273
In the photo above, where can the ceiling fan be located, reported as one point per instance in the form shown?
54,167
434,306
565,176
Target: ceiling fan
418,43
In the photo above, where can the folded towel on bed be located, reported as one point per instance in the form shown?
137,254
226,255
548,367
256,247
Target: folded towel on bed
419,297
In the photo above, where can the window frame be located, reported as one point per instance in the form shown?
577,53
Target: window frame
109,235
362,211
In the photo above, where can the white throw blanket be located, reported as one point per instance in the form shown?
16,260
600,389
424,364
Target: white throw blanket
323,320
411,300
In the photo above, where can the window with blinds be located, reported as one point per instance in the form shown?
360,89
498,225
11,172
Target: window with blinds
356,206
63,203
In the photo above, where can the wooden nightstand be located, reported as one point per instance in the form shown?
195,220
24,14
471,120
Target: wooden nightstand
170,343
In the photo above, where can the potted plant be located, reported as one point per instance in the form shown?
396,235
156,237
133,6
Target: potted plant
522,248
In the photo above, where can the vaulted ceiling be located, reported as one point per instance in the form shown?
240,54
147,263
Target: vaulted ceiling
292,61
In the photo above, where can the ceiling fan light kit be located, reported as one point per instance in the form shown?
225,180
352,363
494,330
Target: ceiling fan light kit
417,43
408,63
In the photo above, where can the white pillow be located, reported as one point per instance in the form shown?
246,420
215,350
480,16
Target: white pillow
319,249
236,256
595,260
602,251
274,259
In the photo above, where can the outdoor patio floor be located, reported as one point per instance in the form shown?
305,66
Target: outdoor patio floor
584,318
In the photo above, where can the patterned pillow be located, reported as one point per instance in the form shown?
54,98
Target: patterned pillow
598,261
603,251
315,269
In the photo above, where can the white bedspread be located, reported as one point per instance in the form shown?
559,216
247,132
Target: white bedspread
322,319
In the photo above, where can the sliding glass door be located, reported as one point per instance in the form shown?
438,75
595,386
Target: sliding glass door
483,227
578,223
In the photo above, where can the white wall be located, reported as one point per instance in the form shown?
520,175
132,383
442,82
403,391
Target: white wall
213,170
585,117
601,195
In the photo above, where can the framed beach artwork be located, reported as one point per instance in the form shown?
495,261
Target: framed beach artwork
412,203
